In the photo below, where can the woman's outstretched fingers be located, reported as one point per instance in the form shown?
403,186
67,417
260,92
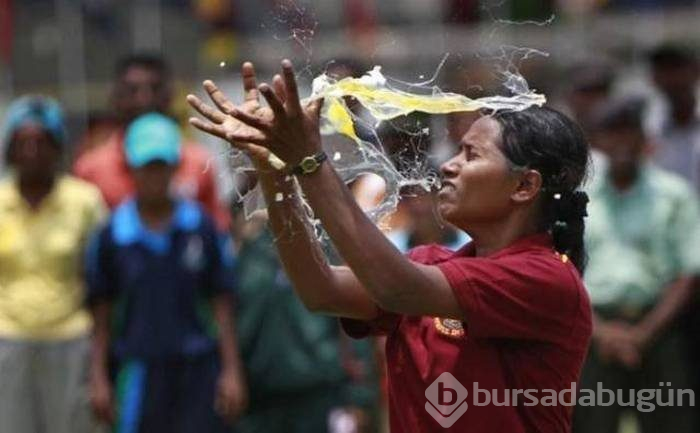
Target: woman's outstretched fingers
290,84
217,96
254,137
278,85
208,127
272,100
250,120
313,108
250,87
258,152
210,113
240,145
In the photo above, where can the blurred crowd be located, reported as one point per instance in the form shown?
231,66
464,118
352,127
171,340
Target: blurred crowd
245,16
134,296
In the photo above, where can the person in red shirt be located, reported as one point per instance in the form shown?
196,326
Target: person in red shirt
506,313
143,84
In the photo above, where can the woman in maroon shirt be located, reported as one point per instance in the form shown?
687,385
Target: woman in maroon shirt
507,316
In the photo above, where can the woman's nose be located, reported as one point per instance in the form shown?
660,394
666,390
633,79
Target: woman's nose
449,168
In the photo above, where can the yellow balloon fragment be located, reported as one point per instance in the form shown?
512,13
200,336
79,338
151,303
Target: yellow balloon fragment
385,103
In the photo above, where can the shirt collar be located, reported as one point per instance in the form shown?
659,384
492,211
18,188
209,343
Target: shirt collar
538,240
128,228
47,203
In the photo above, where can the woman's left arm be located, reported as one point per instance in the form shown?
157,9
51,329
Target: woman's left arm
394,282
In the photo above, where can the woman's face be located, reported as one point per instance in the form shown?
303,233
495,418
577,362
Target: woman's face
477,182
33,153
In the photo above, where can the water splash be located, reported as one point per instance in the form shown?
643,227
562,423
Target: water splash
355,156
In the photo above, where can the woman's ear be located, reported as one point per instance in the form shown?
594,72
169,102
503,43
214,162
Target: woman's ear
528,186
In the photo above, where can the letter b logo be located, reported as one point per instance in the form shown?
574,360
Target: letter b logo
446,400
446,396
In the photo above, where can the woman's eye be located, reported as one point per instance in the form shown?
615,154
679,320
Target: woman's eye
470,154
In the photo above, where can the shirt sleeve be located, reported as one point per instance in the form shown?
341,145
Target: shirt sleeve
685,234
384,324
387,322
535,298
221,262
100,278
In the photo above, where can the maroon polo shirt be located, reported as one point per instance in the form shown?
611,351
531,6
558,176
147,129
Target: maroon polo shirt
527,325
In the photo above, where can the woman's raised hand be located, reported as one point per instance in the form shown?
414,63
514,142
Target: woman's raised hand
219,121
285,128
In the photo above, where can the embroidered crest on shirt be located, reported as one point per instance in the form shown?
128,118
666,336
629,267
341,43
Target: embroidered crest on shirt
449,327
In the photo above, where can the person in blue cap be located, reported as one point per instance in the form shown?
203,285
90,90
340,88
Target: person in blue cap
46,217
164,355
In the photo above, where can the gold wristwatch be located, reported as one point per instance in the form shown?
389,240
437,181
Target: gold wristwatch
309,164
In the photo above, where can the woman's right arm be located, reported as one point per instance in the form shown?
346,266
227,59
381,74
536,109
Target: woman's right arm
323,288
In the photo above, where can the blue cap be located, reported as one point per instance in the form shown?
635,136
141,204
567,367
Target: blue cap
35,110
152,137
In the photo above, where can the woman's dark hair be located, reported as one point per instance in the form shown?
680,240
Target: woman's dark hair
546,140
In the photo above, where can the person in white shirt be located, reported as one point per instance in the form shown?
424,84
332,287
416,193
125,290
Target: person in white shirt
673,117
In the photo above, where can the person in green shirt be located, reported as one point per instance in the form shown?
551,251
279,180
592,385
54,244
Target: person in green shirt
303,374
642,234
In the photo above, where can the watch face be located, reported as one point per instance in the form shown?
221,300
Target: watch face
309,164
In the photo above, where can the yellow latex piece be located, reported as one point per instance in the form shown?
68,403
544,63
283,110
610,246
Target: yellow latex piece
385,103
340,119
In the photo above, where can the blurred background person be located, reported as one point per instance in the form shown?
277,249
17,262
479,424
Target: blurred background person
642,237
164,355
464,74
673,118
304,374
424,226
45,219
143,83
589,88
